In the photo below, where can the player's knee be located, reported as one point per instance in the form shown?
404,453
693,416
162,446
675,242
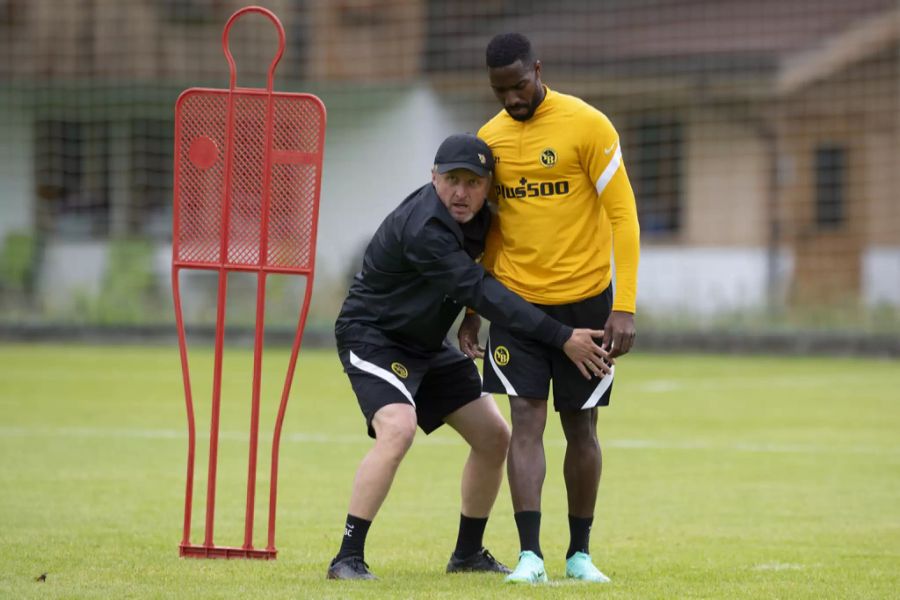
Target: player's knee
529,419
584,444
580,432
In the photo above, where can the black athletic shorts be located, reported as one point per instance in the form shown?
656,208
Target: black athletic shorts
437,384
519,366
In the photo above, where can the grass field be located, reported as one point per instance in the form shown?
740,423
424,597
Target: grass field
724,477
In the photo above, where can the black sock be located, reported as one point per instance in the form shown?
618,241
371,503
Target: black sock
579,535
528,523
354,542
471,533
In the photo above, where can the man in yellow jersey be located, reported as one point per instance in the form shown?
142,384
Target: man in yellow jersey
564,205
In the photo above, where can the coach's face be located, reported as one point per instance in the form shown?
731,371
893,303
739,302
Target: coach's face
518,88
462,192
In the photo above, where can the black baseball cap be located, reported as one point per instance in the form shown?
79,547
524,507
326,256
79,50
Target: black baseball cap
464,151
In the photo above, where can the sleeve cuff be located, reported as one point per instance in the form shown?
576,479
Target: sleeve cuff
624,307
551,331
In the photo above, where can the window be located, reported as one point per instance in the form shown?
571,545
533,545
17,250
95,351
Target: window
80,195
655,165
72,176
830,186
151,144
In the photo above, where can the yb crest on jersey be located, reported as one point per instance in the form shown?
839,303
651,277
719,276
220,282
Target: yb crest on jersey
548,157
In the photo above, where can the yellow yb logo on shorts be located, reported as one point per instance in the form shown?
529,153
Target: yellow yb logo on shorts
400,370
501,355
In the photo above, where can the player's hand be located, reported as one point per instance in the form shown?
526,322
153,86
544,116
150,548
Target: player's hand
591,359
618,333
468,336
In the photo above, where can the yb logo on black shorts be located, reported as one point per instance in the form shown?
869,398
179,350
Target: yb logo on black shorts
501,355
400,370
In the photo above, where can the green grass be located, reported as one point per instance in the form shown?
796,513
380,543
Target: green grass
724,477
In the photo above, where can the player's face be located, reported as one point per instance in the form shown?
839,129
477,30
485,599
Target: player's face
518,88
462,192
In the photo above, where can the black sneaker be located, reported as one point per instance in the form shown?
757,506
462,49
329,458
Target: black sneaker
351,567
478,562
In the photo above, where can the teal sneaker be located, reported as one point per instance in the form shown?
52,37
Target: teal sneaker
580,567
529,570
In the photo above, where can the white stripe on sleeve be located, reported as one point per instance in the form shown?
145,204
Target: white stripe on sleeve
614,163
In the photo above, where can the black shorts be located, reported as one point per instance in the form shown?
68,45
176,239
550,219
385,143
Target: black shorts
437,384
519,366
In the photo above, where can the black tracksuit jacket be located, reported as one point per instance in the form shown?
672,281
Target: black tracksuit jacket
419,271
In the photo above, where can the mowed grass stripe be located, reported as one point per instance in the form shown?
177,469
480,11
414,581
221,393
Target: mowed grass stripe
724,477
320,438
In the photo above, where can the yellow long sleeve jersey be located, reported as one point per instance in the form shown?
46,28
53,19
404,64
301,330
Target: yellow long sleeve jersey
564,202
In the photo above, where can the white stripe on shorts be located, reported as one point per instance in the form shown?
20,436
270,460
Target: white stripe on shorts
600,389
510,390
364,365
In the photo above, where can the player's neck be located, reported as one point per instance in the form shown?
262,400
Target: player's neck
537,106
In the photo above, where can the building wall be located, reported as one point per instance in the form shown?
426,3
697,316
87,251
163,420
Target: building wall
170,40
369,169
723,263
378,152
70,272
366,40
709,280
367,172
881,275
726,179
835,264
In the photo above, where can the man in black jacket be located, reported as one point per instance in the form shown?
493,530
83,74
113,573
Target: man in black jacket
418,273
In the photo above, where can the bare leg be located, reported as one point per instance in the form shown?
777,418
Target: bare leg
395,428
483,427
583,462
527,465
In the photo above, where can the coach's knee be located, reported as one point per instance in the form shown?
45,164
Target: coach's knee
493,440
395,429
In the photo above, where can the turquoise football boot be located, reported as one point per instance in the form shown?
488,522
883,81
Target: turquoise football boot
529,570
580,567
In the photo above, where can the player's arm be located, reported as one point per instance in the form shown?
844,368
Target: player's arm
436,255
603,161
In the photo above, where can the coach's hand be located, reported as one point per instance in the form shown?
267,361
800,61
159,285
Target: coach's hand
591,359
618,333
468,336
